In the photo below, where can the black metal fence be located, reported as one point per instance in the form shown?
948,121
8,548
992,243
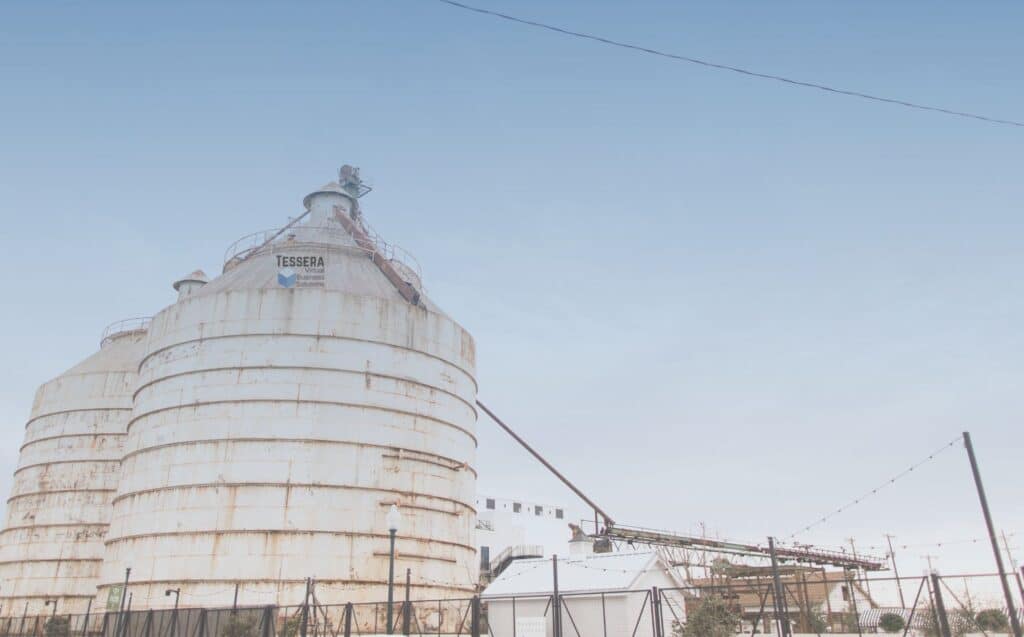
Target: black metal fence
797,602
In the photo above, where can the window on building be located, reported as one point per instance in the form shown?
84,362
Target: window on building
559,514
517,507
538,510
846,593
485,558
490,503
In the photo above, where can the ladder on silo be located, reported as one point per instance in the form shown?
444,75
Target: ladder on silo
363,240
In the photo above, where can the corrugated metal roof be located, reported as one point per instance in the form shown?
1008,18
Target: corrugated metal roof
602,572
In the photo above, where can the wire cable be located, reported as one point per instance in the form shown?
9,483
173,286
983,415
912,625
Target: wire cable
973,540
734,69
872,492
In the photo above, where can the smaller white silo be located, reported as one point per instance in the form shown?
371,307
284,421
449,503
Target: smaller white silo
59,507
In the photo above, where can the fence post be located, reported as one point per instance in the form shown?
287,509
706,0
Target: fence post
406,610
917,598
853,598
85,624
556,602
940,606
777,595
268,621
305,611
128,615
348,619
474,622
124,594
657,626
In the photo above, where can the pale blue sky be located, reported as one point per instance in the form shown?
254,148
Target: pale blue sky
706,297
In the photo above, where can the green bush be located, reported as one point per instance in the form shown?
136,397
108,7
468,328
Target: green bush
239,626
57,627
291,626
891,623
714,617
817,622
993,620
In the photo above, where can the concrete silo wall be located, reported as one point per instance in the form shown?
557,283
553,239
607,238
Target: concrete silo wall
68,469
272,431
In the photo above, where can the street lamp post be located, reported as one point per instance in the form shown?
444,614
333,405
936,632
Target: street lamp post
174,613
394,518
53,615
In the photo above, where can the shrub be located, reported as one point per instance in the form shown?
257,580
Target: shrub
993,620
239,626
891,623
714,617
57,627
817,622
291,626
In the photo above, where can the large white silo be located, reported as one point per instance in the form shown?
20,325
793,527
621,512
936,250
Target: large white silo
67,473
282,409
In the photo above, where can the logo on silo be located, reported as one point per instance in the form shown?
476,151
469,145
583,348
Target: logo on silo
300,271
286,278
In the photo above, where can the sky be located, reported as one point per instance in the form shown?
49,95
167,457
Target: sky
708,298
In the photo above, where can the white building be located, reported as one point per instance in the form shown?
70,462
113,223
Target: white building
507,525
603,594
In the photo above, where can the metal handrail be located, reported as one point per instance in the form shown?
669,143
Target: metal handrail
514,552
247,244
244,247
134,324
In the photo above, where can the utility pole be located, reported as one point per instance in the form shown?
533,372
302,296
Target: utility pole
1014,619
704,554
931,568
1013,564
896,571
861,575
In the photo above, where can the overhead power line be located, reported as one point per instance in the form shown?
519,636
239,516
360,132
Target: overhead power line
734,69
872,492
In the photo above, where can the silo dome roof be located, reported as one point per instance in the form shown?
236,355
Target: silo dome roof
197,276
331,187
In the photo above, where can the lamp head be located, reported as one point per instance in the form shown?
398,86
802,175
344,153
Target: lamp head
394,519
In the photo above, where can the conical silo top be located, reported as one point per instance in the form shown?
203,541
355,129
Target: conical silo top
349,184
196,276
331,187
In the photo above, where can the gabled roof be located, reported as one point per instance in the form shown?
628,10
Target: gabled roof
578,574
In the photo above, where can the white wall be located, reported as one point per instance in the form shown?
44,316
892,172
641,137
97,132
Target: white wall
594,615
511,528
